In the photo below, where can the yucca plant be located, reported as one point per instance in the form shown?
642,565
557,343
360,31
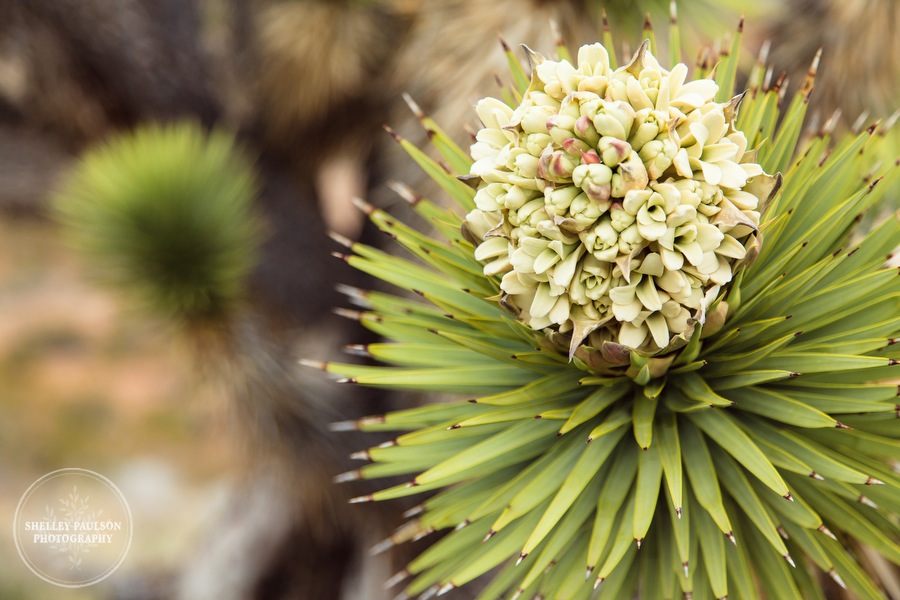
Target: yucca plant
164,213
671,344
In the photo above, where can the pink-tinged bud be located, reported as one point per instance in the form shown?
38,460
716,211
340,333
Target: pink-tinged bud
590,158
584,128
555,165
561,120
613,151
634,174
598,193
543,170
561,165
574,146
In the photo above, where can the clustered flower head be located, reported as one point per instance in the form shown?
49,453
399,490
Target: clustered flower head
614,204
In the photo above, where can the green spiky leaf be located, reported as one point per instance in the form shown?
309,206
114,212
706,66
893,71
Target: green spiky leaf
771,412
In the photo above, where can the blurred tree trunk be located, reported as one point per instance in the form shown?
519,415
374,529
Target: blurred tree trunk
75,71
90,66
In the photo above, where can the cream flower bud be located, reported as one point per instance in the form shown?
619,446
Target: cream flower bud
595,180
648,124
631,175
527,165
620,218
651,210
561,128
593,59
602,240
657,156
494,114
613,119
534,143
478,223
559,78
488,197
560,199
630,239
584,212
535,119
516,197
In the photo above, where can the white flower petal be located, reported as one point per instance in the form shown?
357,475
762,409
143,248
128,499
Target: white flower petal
493,113
632,336
491,248
647,294
543,302
711,173
659,329
731,248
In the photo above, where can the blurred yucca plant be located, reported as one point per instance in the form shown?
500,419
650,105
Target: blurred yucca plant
165,213
676,362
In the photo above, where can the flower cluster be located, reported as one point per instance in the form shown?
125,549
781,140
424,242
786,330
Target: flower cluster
613,202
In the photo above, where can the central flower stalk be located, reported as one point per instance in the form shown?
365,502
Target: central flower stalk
614,205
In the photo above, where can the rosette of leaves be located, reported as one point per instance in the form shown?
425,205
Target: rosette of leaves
165,214
752,459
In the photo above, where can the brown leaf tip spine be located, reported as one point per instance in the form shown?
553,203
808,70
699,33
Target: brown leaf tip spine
837,578
446,588
420,114
396,578
867,502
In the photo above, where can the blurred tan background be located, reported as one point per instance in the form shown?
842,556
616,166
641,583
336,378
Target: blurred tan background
86,380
